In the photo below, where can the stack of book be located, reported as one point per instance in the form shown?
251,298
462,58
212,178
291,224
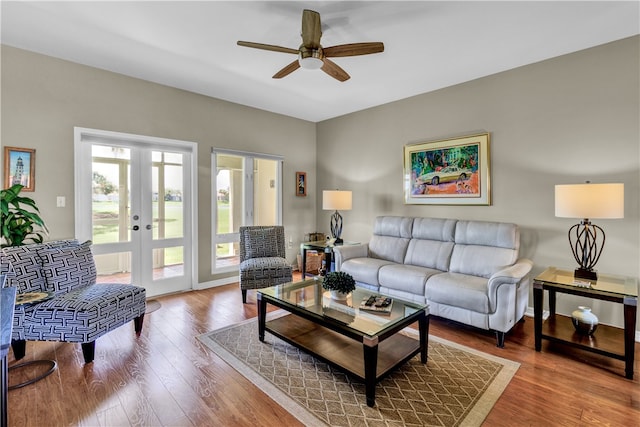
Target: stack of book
377,304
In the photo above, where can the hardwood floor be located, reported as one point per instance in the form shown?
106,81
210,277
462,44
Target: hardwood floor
166,377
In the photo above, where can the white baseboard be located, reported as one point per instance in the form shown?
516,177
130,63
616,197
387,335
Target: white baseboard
216,283
529,313
545,315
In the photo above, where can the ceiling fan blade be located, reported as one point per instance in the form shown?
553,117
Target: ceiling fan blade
311,29
334,70
270,47
354,49
287,70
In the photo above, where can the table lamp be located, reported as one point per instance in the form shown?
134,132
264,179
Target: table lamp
588,201
334,200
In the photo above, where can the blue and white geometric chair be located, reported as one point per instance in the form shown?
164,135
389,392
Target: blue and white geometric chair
263,260
80,310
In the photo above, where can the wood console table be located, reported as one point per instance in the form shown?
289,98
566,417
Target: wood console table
607,340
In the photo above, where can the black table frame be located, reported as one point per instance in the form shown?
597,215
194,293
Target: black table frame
630,308
370,344
318,246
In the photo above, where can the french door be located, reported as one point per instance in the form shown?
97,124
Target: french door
134,200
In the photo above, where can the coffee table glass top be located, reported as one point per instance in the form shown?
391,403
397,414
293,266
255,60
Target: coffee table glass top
606,283
309,296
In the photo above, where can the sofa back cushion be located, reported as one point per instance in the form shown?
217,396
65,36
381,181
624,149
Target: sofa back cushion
432,243
482,248
258,241
391,235
23,266
68,267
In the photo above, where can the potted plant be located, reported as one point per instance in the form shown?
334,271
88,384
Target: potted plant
21,222
339,283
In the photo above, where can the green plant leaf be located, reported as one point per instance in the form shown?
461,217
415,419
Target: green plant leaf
20,216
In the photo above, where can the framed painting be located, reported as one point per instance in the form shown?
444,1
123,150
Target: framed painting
448,172
301,184
20,167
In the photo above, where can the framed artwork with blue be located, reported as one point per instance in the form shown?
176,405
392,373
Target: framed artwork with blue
20,167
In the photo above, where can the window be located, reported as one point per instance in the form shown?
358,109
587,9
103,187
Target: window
247,191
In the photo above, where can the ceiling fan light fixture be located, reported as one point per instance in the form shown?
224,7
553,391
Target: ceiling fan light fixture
311,54
310,59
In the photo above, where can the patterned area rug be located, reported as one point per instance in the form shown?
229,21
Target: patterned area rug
457,387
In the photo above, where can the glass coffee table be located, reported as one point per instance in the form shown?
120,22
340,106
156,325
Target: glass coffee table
366,344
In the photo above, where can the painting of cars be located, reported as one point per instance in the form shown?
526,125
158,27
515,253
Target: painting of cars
443,175
448,172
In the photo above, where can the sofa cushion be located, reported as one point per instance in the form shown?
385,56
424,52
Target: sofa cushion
485,233
364,270
25,266
265,268
261,242
393,226
482,248
83,314
408,278
459,290
429,253
388,248
439,229
68,267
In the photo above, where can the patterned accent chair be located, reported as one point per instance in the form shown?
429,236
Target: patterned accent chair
80,310
263,260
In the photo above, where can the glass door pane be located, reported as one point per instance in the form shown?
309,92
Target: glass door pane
110,209
228,208
229,183
265,191
168,214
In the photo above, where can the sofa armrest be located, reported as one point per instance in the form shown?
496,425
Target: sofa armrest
511,275
343,253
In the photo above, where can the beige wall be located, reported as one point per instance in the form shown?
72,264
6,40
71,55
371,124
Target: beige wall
565,120
43,98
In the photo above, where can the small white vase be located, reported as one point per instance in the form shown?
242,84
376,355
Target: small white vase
340,296
584,320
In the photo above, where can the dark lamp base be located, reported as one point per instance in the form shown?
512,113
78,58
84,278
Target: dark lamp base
583,273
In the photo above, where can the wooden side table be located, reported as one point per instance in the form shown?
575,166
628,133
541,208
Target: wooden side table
607,340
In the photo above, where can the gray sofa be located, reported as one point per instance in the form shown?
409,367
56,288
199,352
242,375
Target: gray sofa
467,271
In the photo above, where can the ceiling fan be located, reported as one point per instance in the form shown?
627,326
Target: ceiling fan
312,55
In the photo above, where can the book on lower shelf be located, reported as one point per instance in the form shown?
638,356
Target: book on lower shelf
377,304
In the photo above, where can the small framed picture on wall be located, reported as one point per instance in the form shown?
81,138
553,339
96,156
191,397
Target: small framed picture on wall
20,167
301,184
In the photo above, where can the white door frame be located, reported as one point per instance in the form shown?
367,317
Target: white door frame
83,137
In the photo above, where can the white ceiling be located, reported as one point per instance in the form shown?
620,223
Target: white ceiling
428,44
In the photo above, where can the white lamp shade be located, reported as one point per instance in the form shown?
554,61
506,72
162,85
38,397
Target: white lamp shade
590,201
336,200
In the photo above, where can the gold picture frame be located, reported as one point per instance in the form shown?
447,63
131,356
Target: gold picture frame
20,167
452,171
